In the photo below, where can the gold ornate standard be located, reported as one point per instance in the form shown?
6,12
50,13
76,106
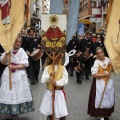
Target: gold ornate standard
53,32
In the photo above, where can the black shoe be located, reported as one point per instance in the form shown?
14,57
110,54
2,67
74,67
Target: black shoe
106,118
87,78
80,82
49,117
10,117
32,83
77,80
37,81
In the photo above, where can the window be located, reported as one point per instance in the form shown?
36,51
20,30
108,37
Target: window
85,4
81,7
93,4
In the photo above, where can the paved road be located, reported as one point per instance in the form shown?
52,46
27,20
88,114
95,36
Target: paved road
77,100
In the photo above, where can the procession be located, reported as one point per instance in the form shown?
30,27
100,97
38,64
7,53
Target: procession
58,64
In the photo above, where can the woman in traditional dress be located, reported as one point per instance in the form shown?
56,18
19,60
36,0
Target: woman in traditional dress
60,80
19,99
101,99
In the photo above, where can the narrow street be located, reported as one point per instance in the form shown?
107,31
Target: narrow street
77,33
77,100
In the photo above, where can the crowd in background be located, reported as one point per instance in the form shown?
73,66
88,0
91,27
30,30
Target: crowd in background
80,57
85,53
81,61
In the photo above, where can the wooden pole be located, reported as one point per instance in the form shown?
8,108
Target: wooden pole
109,11
98,30
104,89
10,73
53,88
53,57
103,94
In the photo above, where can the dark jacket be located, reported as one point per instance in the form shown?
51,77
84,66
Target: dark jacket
2,67
31,44
71,45
78,41
23,41
99,44
79,60
86,44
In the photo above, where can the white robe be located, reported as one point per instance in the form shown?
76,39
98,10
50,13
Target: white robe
20,92
108,98
60,102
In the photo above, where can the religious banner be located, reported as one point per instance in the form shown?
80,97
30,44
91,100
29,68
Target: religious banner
66,7
112,40
53,32
11,21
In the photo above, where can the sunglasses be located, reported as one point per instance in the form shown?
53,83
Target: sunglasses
98,37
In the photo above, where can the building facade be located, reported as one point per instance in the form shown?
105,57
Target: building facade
86,13
103,4
93,13
35,13
38,7
45,6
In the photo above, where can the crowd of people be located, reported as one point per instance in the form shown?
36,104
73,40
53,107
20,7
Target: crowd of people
85,54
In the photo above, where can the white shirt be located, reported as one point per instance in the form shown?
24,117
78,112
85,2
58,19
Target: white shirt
62,82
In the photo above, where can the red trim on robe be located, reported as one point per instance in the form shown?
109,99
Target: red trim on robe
13,70
63,92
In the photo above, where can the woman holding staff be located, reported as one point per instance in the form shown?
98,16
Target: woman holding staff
101,99
60,76
19,99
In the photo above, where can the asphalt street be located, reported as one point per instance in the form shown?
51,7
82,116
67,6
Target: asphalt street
77,100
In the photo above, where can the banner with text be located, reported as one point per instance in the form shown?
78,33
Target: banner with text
112,40
11,22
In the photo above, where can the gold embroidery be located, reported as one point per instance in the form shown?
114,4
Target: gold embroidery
57,77
102,71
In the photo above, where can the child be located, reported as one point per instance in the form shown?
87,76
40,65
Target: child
101,104
19,99
60,80
79,66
